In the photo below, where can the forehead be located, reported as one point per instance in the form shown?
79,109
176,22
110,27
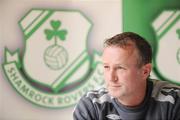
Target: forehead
116,55
115,49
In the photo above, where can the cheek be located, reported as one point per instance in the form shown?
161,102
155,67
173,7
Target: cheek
106,80
128,77
133,80
105,76
124,75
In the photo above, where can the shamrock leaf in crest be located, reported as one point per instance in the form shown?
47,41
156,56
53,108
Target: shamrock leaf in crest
55,32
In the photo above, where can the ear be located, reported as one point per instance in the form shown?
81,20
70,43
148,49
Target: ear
146,70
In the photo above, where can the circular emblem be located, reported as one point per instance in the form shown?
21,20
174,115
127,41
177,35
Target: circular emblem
56,57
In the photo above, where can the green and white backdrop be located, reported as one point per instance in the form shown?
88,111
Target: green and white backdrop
50,52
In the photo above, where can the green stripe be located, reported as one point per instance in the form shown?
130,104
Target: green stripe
62,83
38,25
73,62
60,86
167,20
167,29
33,21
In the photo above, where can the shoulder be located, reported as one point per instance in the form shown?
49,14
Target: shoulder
90,104
97,96
165,91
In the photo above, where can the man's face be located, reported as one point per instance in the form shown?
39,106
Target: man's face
123,77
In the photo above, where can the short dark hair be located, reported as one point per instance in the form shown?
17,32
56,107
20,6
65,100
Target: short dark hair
124,39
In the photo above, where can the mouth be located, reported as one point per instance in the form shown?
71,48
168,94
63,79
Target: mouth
114,86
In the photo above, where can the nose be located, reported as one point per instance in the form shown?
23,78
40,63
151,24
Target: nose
113,76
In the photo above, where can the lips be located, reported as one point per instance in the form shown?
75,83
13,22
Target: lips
114,85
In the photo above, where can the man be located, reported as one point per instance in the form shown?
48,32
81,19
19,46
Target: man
129,94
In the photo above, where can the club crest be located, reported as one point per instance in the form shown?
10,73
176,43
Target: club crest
55,69
167,58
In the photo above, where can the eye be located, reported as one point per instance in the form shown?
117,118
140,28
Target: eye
106,67
120,68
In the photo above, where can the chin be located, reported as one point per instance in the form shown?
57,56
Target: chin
114,94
